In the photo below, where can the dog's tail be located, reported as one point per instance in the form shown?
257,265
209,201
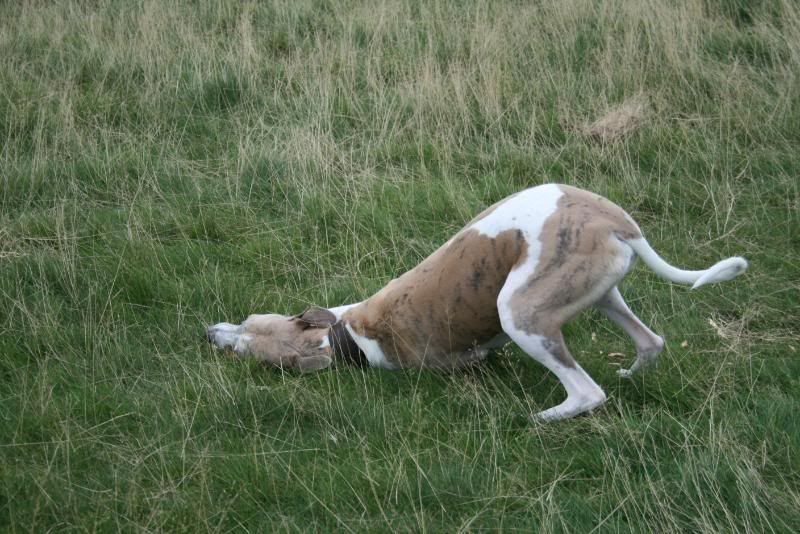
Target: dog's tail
719,272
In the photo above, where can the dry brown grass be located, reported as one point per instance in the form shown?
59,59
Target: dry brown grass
619,121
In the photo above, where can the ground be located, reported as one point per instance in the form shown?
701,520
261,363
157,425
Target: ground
168,165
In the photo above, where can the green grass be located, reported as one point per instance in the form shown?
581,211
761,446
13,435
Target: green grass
164,166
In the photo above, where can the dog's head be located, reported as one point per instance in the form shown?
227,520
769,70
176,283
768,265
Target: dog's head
297,342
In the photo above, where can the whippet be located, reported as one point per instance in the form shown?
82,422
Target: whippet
518,271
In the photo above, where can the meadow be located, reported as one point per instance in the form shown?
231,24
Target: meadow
165,165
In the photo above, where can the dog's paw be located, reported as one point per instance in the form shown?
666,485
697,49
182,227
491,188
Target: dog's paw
223,335
481,353
572,406
624,373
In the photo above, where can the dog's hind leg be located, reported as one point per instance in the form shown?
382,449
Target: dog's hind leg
548,348
648,344
536,329
535,303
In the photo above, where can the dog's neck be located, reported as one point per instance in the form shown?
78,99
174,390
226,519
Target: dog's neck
344,349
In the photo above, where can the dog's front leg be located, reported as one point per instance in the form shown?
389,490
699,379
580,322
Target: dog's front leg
496,342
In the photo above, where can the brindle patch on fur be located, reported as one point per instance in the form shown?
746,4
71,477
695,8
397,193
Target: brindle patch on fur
446,305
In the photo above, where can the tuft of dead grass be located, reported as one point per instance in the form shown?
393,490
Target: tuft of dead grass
619,121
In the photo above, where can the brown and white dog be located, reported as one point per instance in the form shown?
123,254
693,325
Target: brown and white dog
518,272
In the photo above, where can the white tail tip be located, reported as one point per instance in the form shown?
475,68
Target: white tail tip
722,271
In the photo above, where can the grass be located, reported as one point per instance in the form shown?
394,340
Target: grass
167,165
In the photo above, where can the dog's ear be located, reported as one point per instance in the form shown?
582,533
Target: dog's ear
316,317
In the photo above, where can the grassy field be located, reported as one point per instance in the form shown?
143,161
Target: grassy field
167,165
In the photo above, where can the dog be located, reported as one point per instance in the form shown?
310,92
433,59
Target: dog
516,272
